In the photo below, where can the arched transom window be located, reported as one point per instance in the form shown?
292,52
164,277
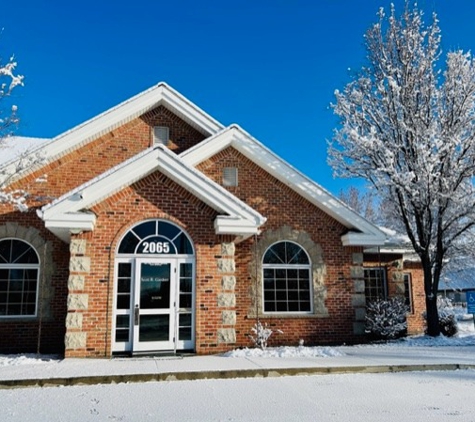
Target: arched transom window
19,274
156,237
286,279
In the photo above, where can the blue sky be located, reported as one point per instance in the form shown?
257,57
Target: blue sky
270,66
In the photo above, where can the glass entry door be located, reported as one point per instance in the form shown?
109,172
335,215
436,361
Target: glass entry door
162,311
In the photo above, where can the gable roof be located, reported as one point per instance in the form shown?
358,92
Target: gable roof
360,231
158,95
68,214
64,213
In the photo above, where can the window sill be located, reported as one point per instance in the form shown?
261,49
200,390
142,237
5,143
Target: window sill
288,316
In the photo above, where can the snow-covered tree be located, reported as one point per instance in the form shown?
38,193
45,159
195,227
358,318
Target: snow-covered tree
22,157
360,201
9,80
408,127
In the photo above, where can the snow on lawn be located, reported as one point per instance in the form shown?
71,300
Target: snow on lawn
464,337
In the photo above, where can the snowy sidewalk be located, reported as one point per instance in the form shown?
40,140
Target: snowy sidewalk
398,356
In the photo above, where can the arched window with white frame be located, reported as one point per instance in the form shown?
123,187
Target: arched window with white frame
287,286
19,275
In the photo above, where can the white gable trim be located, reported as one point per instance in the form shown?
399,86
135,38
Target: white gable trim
362,232
65,215
160,94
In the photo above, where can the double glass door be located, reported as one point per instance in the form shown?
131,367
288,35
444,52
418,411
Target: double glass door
160,312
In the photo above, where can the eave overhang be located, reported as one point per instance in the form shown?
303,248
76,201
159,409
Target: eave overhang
69,213
360,231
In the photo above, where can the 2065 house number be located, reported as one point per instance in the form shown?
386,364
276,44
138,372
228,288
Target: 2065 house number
155,247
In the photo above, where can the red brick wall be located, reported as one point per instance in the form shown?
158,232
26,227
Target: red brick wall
394,263
22,334
282,206
156,196
109,150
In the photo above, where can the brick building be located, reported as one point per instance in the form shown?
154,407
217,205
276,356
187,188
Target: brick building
152,227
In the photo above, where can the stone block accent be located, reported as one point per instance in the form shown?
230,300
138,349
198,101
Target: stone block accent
77,302
226,265
359,286
360,314
80,264
74,320
229,317
400,289
227,300
357,272
358,328
226,335
357,258
228,249
358,300
77,246
228,282
398,276
76,282
75,340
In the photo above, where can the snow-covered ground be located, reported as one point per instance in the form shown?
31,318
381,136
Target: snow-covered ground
404,396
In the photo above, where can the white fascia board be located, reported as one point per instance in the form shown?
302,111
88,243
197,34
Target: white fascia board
160,159
160,94
103,186
71,223
172,99
259,154
205,189
361,239
236,226
209,147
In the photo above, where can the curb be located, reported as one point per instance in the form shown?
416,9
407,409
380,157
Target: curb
225,374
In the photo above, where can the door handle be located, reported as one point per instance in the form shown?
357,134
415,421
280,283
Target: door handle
136,315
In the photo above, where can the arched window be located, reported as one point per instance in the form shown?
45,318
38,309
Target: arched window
156,237
19,274
287,279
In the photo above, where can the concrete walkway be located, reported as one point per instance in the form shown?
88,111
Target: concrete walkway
162,368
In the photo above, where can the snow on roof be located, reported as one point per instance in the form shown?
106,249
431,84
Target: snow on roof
12,147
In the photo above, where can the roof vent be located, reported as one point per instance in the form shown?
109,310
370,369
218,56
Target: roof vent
161,135
230,176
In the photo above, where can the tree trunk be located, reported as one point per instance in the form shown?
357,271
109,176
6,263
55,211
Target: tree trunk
432,314
433,328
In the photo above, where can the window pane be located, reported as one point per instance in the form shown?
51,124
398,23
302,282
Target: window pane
123,285
286,287
122,321
185,320
123,301
149,228
122,336
125,270
183,245
269,306
184,333
22,253
186,285
185,301
186,270
129,243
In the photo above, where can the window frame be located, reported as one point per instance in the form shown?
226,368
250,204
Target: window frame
287,266
407,279
22,266
384,280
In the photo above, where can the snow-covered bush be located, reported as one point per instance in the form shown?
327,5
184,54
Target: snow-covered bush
447,320
386,318
261,334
